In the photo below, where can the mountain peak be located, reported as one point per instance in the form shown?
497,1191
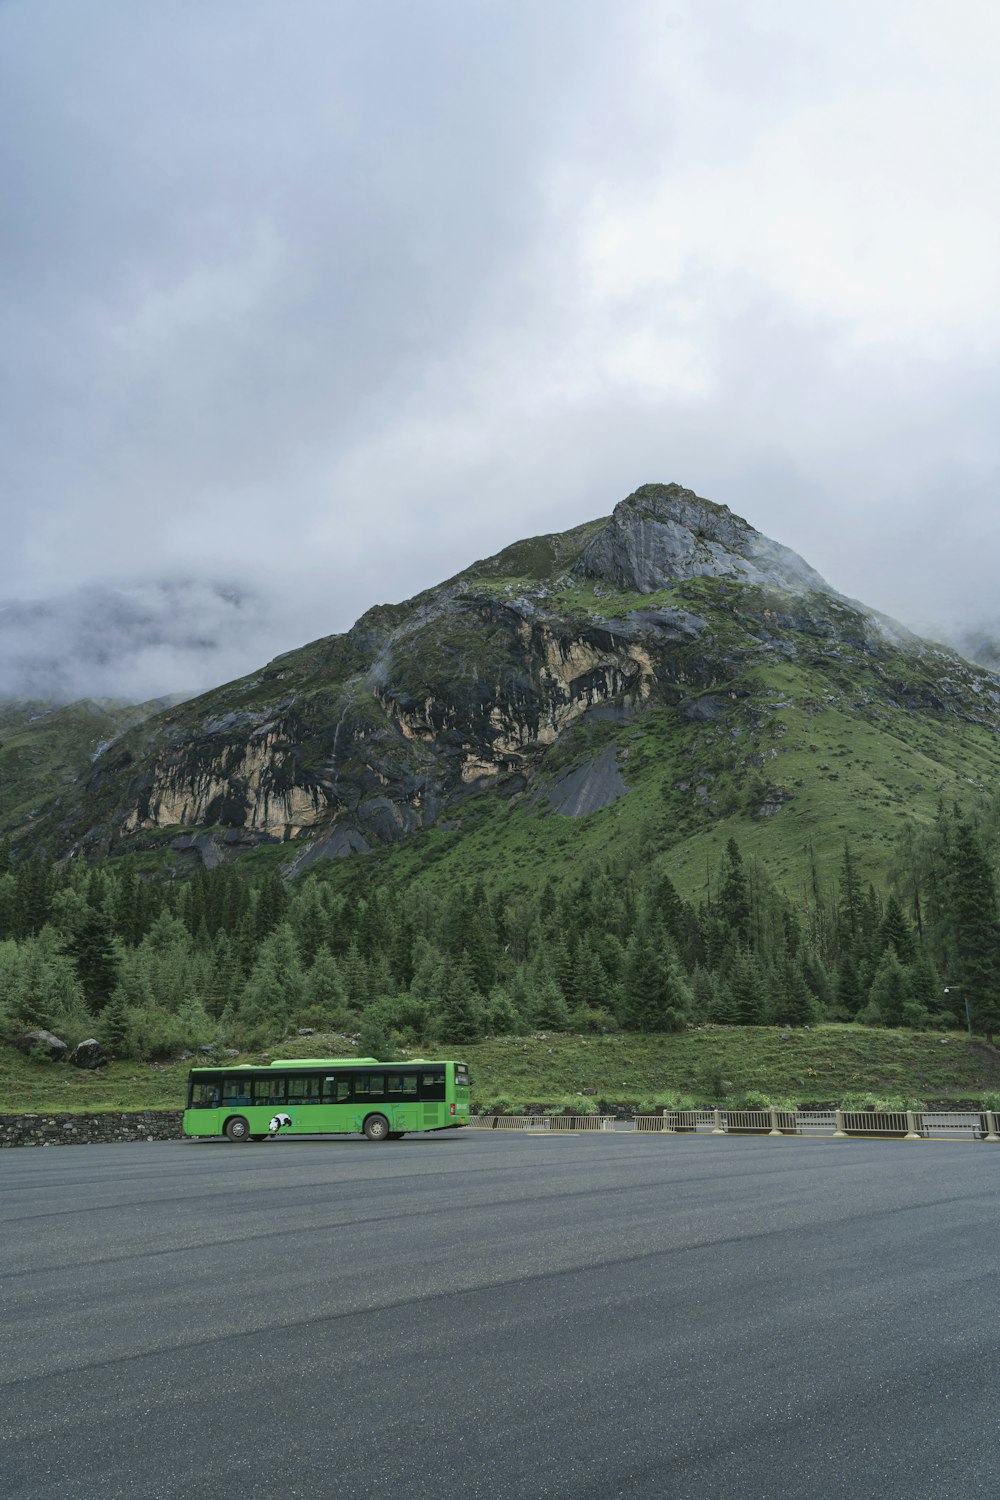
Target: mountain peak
662,533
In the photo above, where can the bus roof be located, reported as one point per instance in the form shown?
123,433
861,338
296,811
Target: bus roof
318,1062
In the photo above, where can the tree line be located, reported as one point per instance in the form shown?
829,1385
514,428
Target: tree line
227,957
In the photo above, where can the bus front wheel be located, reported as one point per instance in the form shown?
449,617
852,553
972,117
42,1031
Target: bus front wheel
377,1128
237,1129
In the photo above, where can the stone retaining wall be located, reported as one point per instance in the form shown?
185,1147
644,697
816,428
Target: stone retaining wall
90,1130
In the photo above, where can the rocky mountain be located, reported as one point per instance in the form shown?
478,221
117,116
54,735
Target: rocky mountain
656,678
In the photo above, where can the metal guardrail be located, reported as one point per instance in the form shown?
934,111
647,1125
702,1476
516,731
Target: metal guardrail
904,1124
948,1122
910,1125
813,1121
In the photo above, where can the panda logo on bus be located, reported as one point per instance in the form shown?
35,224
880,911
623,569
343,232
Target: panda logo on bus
278,1123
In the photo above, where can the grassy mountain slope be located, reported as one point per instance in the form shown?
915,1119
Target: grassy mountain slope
45,748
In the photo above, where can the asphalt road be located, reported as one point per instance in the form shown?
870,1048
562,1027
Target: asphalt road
592,1316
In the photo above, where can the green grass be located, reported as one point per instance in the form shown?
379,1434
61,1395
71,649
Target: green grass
44,750
709,1066
715,1064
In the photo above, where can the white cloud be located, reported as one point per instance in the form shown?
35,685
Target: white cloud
335,307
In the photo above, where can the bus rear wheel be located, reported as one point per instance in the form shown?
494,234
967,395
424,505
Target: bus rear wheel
377,1128
237,1129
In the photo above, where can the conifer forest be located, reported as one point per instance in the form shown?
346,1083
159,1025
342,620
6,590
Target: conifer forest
229,958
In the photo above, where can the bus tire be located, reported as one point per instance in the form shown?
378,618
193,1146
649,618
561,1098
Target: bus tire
237,1129
376,1128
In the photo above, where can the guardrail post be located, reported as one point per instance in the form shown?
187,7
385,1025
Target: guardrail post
774,1130
717,1122
912,1133
838,1120
991,1126
667,1122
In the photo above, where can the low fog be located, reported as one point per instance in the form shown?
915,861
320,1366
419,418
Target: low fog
116,643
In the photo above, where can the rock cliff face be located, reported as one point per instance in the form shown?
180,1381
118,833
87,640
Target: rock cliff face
673,606
664,533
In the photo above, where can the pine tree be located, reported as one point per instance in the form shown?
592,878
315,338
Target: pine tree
851,995
849,907
373,1037
225,977
704,994
747,989
562,969
977,930
889,990
590,981
116,1026
461,1015
926,989
549,1011
8,896
355,977
194,1024
666,906
895,932
481,944
272,904
95,959
502,1015
127,905
308,920
655,998
733,904
791,1003
33,891
275,990
325,993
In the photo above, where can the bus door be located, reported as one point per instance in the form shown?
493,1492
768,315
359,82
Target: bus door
303,1096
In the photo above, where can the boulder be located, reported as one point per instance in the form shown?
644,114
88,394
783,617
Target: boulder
42,1042
89,1054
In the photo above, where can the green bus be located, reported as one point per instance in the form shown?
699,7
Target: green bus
327,1096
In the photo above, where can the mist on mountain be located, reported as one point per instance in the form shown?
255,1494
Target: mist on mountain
133,641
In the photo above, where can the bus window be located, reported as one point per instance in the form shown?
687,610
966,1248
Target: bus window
432,1084
304,1089
462,1079
235,1091
269,1090
337,1089
369,1086
401,1086
205,1093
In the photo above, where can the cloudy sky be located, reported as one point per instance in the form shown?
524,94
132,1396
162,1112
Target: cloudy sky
307,305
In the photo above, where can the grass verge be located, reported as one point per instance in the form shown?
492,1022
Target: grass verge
710,1066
